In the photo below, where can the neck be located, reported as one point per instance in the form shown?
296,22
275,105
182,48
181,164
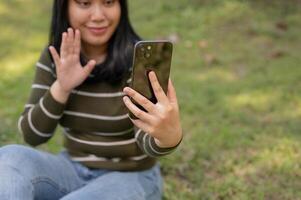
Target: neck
97,53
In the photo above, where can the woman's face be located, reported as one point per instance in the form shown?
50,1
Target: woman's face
97,20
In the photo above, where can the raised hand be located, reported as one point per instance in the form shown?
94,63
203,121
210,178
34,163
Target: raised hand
70,72
162,120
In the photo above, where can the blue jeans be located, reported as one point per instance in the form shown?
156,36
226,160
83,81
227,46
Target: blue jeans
27,174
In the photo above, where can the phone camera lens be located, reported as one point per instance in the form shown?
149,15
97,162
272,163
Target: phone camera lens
147,55
142,49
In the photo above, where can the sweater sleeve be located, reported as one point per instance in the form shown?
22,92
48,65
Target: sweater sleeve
42,112
148,145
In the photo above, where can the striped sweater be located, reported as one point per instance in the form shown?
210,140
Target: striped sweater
96,127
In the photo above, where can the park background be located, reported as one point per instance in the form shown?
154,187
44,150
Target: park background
236,68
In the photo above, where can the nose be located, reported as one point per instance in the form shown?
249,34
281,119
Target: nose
97,13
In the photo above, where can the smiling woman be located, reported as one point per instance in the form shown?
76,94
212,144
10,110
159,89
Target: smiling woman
80,81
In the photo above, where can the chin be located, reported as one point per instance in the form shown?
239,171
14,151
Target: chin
97,41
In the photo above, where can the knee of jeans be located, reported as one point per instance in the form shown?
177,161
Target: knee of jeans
13,185
13,154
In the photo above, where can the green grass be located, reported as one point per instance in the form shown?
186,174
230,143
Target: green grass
238,79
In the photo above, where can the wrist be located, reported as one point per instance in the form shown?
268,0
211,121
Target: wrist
169,143
58,93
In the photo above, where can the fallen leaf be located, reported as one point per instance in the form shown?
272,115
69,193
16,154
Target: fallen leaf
210,59
276,54
281,25
203,44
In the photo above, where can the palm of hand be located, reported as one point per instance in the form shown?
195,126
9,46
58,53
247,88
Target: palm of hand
70,72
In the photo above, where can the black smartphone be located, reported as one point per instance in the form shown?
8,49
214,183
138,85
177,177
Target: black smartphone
150,56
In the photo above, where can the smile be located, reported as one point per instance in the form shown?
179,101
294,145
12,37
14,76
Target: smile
98,31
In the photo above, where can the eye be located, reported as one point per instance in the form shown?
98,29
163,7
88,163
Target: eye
83,3
109,2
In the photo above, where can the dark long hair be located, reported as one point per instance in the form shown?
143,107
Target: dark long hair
120,49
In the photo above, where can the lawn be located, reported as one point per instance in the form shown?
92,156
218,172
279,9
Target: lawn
236,68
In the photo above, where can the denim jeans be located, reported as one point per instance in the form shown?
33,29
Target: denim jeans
27,174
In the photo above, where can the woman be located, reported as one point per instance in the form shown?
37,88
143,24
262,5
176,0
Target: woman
81,83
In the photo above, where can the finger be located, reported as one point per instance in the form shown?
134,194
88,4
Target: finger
89,67
171,92
136,111
141,125
77,42
159,93
55,56
144,102
70,41
63,50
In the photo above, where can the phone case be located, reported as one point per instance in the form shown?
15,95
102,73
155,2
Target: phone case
150,56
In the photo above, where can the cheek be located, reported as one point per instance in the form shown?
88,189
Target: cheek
116,15
75,21
76,18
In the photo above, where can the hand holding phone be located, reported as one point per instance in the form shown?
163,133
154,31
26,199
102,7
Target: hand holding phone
152,96
150,56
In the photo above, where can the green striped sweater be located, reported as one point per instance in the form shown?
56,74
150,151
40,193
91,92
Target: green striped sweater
96,127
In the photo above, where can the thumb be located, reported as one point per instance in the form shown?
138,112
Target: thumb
89,67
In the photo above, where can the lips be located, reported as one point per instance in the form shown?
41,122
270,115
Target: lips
98,30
